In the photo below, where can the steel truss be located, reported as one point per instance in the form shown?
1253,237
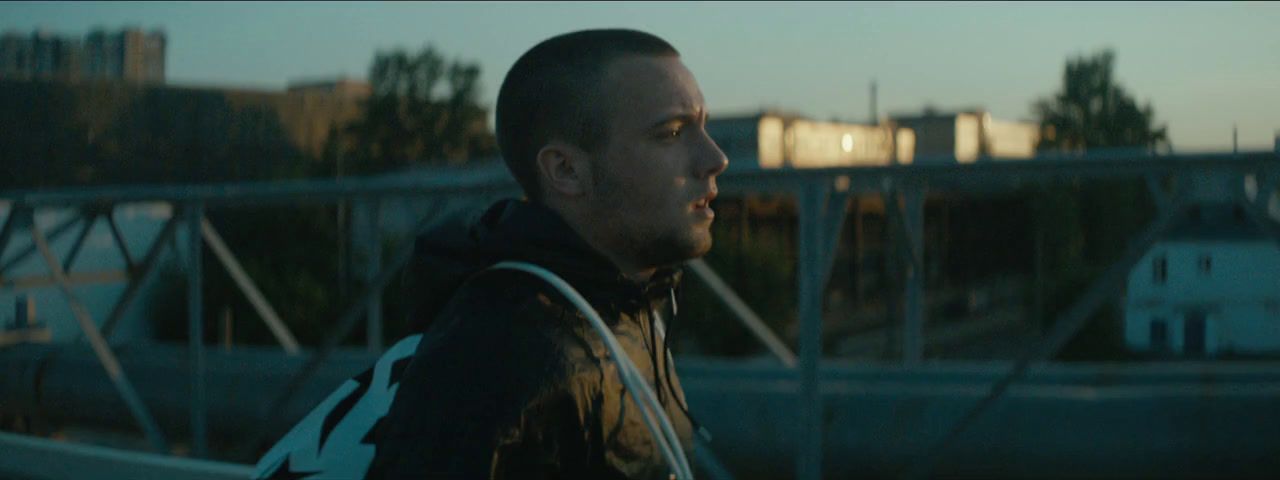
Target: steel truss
822,195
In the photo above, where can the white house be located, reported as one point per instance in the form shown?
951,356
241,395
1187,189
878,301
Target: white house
1211,286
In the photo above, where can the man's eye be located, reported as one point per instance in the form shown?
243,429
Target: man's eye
670,133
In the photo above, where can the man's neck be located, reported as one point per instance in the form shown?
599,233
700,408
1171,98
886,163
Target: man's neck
628,268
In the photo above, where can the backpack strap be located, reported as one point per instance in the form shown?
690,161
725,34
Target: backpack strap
654,415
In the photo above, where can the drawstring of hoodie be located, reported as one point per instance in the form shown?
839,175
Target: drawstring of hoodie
664,372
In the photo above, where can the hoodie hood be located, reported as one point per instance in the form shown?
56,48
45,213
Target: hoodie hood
460,246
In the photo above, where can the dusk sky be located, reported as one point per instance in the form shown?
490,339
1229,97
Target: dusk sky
1203,66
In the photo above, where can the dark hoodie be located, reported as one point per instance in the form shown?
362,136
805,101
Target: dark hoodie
509,380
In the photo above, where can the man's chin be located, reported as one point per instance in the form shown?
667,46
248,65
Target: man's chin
700,246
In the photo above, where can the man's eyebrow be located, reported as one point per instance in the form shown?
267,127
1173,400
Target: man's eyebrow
683,117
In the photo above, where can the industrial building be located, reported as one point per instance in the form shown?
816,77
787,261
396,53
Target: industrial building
778,140
968,135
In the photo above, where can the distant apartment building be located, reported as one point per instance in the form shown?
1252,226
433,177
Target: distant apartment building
967,136
129,55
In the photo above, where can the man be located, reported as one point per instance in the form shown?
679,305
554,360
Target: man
604,131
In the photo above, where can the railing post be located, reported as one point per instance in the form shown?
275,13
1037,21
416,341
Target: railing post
373,321
913,276
809,297
195,328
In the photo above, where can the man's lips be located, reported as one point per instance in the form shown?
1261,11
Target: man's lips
705,200
702,206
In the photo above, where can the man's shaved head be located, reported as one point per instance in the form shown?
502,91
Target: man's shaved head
553,93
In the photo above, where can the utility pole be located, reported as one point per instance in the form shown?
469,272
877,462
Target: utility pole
875,115
1235,139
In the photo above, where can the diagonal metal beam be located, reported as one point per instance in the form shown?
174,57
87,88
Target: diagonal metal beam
897,221
145,271
85,228
16,214
1260,220
1159,196
115,233
708,461
1266,181
248,288
100,348
1067,325
742,311
834,211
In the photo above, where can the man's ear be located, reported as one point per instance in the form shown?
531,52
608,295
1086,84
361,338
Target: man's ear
563,169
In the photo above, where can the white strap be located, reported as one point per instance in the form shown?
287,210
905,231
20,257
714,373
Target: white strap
663,433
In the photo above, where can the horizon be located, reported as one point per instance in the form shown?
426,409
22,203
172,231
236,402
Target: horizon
1200,85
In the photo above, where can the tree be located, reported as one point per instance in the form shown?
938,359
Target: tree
1092,111
1086,227
422,110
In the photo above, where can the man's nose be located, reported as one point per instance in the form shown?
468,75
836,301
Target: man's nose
711,161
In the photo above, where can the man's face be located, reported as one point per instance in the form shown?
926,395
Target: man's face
653,180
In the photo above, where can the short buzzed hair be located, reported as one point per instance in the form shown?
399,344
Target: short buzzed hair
552,92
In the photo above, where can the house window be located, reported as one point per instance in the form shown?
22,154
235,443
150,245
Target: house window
1206,264
1159,334
1160,269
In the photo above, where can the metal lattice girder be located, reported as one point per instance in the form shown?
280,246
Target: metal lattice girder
53,234
140,276
1067,325
99,343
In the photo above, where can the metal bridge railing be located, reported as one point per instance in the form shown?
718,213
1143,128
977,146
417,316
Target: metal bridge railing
822,197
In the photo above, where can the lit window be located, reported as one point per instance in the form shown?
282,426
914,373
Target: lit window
846,142
1160,269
